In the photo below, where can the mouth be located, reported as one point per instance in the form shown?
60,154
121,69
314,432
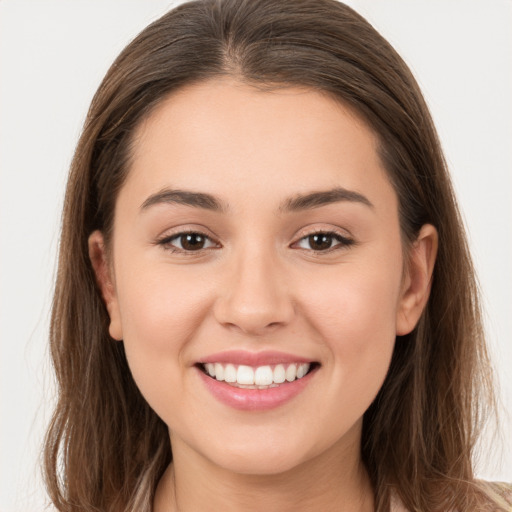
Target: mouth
255,381
257,377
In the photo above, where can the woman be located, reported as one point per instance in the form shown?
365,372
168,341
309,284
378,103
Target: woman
265,298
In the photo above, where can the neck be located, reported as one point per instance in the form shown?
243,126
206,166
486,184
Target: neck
332,481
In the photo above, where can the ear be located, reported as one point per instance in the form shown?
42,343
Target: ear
106,283
417,280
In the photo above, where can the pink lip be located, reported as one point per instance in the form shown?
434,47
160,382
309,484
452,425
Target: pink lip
255,399
254,359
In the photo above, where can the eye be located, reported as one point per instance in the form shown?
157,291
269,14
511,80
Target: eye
191,241
322,241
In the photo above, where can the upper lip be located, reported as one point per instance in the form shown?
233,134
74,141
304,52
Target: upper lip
255,359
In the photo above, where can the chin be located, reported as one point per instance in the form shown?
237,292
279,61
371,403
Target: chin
260,465
258,455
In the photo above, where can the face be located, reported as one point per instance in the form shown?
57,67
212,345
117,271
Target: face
255,239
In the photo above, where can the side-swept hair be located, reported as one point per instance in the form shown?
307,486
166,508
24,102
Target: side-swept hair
106,448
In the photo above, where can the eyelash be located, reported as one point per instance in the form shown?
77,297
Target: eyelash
166,242
343,242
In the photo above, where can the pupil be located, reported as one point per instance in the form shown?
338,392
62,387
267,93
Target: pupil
320,241
192,241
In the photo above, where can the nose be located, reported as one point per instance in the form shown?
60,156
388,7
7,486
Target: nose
254,297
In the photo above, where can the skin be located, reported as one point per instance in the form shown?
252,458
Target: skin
259,285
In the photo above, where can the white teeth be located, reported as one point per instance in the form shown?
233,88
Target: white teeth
279,374
261,377
291,373
245,375
219,371
230,373
302,369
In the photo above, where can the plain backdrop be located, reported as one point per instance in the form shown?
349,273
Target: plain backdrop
53,55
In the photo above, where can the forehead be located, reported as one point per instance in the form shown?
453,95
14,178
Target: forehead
228,138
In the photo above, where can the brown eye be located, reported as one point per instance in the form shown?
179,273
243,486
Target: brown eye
187,242
320,241
192,241
324,241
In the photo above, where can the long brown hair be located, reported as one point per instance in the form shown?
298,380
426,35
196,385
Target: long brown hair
106,448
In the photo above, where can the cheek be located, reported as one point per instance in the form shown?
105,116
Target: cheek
159,303
160,313
356,320
361,304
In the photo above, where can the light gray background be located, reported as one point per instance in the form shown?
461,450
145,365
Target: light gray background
53,55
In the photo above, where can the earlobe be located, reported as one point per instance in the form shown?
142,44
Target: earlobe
104,278
418,280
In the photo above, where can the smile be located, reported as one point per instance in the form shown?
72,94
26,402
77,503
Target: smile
261,377
255,382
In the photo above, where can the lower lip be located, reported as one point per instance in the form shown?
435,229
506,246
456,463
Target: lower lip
255,399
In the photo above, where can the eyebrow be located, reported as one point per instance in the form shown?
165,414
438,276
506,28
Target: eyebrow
185,197
316,199
296,203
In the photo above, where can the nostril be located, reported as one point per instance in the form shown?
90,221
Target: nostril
253,309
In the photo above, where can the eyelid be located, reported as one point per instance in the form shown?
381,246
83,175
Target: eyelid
345,240
166,239
320,227
181,229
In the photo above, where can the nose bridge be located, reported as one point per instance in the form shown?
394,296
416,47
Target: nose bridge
255,296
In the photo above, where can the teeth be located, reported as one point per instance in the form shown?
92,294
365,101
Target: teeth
245,375
279,374
291,373
219,371
264,376
261,377
230,373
